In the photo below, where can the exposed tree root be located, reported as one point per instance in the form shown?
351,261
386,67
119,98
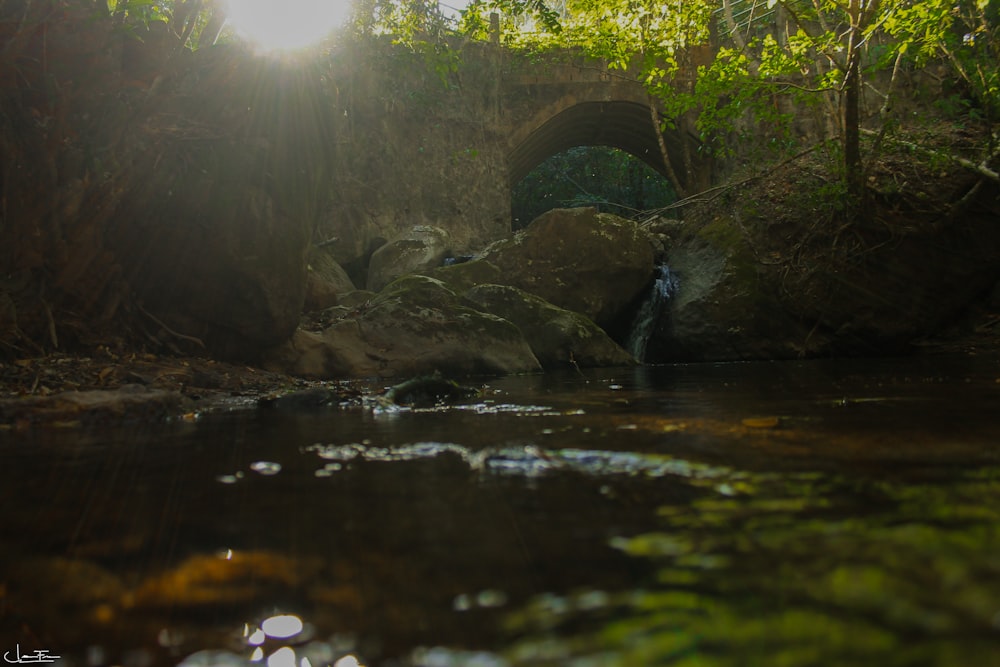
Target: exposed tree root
175,334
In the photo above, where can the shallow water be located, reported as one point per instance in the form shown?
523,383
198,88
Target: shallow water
807,513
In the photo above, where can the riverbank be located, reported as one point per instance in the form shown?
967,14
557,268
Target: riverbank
69,391
110,382
107,387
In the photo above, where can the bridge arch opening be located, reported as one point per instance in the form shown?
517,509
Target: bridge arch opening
578,135
609,179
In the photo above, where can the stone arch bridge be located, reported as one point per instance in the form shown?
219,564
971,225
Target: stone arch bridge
415,148
554,107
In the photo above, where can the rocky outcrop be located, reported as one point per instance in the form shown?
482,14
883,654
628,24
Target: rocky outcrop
420,248
528,303
759,277
592,263
558,337
416,325
147,211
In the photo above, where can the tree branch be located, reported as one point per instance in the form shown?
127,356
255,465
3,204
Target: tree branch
982,168
719,190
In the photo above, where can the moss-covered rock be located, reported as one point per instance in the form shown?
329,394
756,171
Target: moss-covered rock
726,306
462,277
557,336
416,325
578,259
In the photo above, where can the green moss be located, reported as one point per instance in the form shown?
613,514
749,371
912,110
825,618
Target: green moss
723,234
743,270
416,289
463,277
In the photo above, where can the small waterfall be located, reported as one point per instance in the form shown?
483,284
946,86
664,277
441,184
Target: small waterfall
645,320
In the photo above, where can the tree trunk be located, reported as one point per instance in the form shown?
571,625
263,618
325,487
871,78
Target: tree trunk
679,187
853,167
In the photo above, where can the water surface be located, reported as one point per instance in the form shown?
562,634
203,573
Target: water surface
795,513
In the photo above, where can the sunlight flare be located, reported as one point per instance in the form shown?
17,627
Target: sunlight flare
285,25
282,626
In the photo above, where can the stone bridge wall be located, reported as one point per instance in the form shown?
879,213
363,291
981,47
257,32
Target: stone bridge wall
414,147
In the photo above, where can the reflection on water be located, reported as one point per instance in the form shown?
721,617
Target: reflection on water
776,514
798,569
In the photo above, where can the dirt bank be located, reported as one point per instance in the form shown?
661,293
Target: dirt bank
68,391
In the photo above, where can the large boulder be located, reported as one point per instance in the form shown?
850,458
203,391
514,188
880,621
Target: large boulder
211,230
420,248
414,326
592,263
229,270
725,305
558,337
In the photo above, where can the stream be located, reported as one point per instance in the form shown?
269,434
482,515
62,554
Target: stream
787,513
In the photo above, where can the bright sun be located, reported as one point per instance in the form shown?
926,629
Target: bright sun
286,24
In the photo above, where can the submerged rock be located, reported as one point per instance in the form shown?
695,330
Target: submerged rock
428,391
314,398
238,578
59,583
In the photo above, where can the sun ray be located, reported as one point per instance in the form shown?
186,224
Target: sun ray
284,25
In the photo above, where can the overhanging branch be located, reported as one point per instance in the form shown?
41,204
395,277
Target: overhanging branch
982,168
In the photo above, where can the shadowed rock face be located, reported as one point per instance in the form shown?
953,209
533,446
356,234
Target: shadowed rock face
592,263
760,277
414,326
236,279
326,281
721,310
181,210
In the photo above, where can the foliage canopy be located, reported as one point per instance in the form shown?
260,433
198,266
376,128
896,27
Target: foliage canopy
766,62
769,60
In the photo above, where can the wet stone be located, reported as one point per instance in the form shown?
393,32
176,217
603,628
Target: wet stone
304,400
429,391
75,408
